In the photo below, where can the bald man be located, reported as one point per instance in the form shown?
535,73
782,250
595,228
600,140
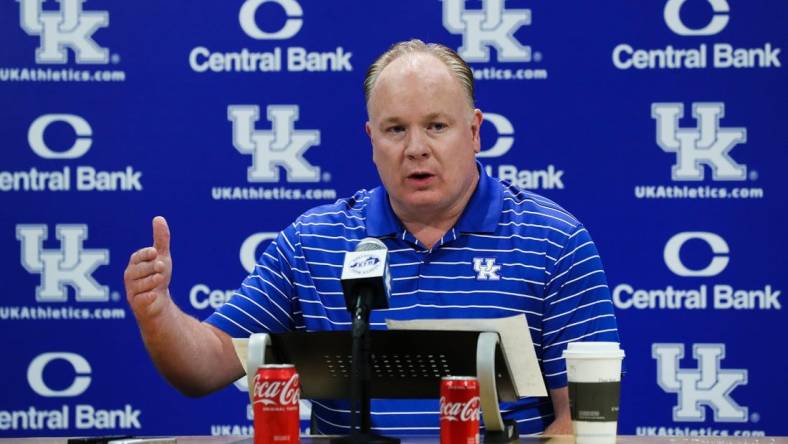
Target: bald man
462,245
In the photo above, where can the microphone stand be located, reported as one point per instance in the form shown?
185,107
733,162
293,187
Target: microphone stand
360,375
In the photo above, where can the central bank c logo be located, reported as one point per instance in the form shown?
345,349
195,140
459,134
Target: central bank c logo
82,129
292,25
717,244
718,22
249,248
82,370
505,138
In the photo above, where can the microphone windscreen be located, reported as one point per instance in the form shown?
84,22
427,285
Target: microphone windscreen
369,244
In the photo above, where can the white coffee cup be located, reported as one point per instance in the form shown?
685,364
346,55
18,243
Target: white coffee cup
594,373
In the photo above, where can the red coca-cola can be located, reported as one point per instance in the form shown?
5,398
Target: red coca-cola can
275,399
460,410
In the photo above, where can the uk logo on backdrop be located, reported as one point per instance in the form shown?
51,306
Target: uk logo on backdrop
699,260
707,393
713,52
707,150
69,29
67,288
270,56
492,30
282,147
549,178
72,265
708,386
708,144
280,165
493,26
67,44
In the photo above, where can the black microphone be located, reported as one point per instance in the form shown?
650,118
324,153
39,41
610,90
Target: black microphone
365,275
366,285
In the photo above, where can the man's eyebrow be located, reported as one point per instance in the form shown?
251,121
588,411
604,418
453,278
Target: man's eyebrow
427,118
390,120
438,115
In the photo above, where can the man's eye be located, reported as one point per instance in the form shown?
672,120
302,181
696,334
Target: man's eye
395,129
438,126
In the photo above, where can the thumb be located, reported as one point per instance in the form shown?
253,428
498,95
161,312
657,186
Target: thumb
161,235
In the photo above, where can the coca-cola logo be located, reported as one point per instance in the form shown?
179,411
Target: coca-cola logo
277,392
460,411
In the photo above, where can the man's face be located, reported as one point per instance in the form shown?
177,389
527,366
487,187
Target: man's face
424,136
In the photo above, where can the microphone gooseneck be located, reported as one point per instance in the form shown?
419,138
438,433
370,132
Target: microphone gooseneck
365,284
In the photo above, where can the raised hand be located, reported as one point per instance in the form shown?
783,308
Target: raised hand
147,277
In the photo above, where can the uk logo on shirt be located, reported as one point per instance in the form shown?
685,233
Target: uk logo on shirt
485,269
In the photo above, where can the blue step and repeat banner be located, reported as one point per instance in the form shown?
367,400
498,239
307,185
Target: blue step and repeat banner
661,124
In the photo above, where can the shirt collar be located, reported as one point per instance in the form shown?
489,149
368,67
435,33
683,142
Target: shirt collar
481,214
381,220
483,211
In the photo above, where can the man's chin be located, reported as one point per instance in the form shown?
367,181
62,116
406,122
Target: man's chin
422,201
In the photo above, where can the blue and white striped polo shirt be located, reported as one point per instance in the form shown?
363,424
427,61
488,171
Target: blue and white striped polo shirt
510,252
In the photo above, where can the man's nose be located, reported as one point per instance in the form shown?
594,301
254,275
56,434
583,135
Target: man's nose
417,145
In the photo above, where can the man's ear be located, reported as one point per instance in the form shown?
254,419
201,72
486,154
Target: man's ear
476,124
368,129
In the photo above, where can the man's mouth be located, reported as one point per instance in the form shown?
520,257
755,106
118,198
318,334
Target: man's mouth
420,175
421,179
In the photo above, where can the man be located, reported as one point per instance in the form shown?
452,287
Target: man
462,245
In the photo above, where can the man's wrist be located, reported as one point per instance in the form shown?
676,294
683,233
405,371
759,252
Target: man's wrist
155,319
562,425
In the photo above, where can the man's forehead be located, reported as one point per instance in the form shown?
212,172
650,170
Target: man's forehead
423,68
414,80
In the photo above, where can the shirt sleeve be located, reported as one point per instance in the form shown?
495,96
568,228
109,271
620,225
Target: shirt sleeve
577,304
264,302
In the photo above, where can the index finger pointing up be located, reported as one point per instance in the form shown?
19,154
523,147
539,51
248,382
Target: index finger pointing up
161,235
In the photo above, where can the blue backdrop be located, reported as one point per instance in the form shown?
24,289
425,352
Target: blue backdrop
660,124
